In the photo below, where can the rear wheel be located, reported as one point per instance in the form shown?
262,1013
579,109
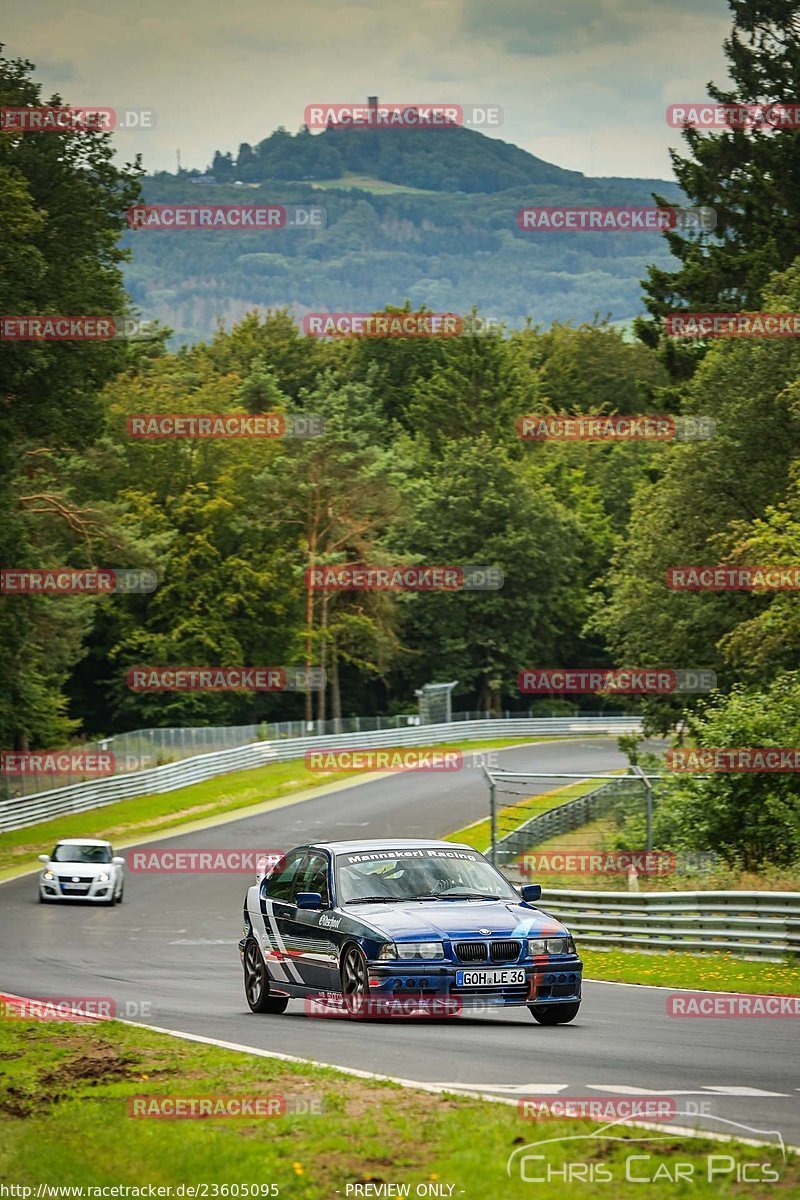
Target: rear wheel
355,980
554,1014
256,982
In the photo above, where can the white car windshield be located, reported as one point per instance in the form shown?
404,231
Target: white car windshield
81,854
418,875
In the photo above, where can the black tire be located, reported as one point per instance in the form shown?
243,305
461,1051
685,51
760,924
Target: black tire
256,982
554,1014
118,899
355,981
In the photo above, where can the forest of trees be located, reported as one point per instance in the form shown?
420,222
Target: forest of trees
448,251
420,462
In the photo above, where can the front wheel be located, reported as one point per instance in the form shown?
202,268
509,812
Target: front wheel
355,981
554,1014
256,982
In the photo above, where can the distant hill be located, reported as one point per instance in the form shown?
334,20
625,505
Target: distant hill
451,159
450,241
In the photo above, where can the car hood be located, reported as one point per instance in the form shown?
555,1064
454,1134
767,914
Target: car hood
458,919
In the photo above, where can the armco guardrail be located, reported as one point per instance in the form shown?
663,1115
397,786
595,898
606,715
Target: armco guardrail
759,924
560,820
79,797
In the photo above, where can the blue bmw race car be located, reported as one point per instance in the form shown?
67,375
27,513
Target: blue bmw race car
423,922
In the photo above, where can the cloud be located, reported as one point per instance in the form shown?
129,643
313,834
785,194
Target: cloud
540,28
583,84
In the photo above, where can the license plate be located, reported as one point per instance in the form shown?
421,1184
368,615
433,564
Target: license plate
73,887
489,978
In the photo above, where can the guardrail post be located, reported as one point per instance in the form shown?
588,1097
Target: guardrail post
648,806
493,820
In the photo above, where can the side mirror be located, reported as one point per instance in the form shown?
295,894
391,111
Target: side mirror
531,892
118,860
44,858
309,900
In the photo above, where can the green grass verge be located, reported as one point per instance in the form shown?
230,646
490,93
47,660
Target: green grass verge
702,972
479,834
65,1092
601,835
129,820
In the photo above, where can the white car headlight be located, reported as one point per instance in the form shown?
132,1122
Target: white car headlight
560,945
406,951
103,877
49,875
426,950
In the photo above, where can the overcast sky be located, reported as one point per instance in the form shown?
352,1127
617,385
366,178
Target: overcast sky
582,83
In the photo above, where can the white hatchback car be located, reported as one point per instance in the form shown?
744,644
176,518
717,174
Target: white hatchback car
82,869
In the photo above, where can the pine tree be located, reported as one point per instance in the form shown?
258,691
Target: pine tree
749,176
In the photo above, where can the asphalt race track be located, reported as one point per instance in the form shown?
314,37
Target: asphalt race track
168,957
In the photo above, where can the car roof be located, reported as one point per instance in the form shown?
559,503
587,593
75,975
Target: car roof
389,844
81,842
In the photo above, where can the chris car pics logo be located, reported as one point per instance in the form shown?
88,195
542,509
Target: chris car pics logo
584,1158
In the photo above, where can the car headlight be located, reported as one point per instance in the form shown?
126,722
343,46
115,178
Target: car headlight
103,877
49,875
560,945
429,950
536,946
411,950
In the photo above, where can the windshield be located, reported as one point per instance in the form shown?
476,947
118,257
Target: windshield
81,854
419,874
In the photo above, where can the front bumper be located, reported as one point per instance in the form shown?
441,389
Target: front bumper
556,980
96,892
